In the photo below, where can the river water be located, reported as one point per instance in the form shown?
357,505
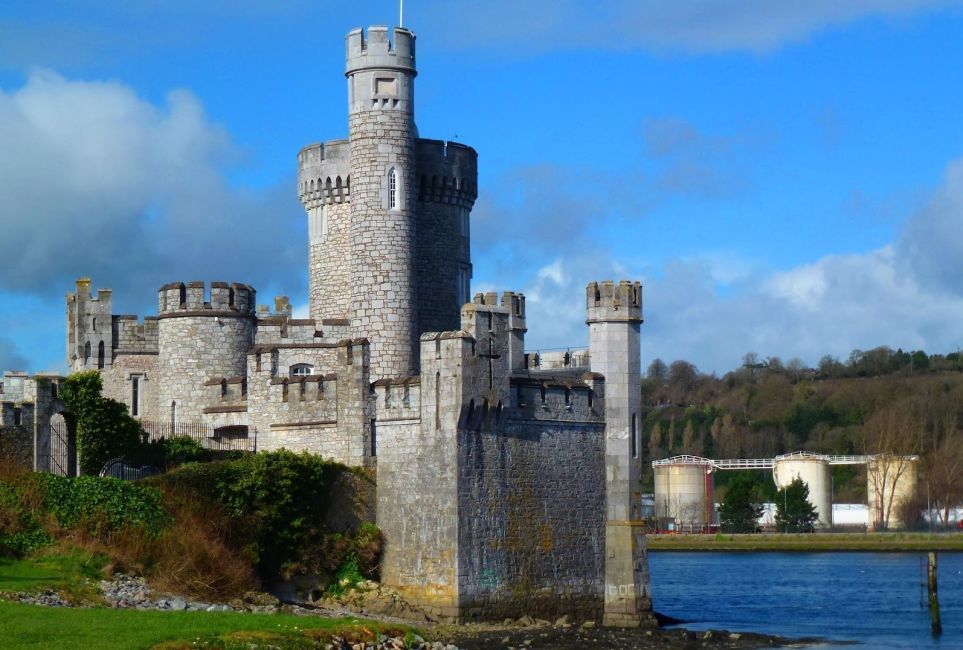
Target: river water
871,598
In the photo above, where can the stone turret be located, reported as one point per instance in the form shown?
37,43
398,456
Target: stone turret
382,133
614,315
202,333
369,197
89,328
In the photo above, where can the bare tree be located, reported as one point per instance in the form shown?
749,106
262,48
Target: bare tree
658,371
891,435
944,472
683,379
795,368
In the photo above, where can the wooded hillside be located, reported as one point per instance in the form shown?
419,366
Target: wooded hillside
877,401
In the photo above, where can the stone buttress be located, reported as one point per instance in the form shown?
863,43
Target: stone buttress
614,317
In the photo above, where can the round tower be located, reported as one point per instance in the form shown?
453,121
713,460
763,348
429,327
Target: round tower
200,335
382,136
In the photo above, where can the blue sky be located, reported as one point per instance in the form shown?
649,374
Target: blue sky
785,178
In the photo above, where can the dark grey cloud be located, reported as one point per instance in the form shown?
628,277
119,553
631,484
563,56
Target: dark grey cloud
98,182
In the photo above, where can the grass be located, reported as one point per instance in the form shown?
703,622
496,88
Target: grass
76,573
71,571
872,542
31,626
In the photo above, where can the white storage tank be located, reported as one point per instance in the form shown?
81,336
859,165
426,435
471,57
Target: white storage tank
814,472
890,482
683,492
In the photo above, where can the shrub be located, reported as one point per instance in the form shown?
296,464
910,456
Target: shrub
276,501
104,428
103,505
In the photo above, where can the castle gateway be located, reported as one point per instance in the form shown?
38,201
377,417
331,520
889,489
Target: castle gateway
506,482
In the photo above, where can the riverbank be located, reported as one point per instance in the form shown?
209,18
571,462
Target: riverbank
808,543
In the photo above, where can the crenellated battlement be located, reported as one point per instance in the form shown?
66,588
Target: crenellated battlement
607,302
197,299
133,337
324,174
376,50
447,172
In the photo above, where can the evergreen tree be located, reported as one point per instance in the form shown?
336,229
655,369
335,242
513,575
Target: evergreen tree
794,512
740,510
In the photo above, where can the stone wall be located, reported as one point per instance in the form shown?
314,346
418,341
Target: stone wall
118,383
447,187
194,349
324,186
531,519
16,446
330,417
383,295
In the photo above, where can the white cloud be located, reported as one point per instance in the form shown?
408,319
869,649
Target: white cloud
908,294
98,182
677,25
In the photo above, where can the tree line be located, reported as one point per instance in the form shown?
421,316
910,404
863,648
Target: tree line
877,401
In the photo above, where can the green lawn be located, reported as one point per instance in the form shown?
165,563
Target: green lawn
74,572
879,542
31,626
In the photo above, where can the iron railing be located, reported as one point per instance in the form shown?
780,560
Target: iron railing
221,439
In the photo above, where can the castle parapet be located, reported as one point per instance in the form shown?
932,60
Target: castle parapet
609,302
377,51
324,174
194,299
132,337
447,172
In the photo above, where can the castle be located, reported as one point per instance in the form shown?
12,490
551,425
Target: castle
506,482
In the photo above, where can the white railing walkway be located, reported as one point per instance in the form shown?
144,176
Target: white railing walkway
764,463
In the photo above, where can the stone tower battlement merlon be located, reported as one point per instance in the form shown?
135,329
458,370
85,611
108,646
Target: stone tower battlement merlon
447,172
377,51
195,299
324,174
380,73
608,302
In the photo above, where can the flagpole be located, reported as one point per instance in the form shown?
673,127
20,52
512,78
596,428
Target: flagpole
401,13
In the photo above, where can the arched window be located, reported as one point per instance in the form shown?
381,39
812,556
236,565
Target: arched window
223,388
302,370
94,324
100,355
183,294
392,189
173,415
86,353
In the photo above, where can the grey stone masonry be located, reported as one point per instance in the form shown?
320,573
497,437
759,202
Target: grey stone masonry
614,317
199,339
388,213
89,328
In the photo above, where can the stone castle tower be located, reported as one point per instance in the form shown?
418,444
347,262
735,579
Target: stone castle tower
388,211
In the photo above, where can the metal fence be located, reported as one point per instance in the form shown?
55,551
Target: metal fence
221,439
55,449
118,468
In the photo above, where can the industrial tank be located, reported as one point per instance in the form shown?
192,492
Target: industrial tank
683,492
890,482
814,472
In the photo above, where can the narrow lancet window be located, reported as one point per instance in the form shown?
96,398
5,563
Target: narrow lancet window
392,189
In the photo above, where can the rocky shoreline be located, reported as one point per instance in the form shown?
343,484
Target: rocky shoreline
131,592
